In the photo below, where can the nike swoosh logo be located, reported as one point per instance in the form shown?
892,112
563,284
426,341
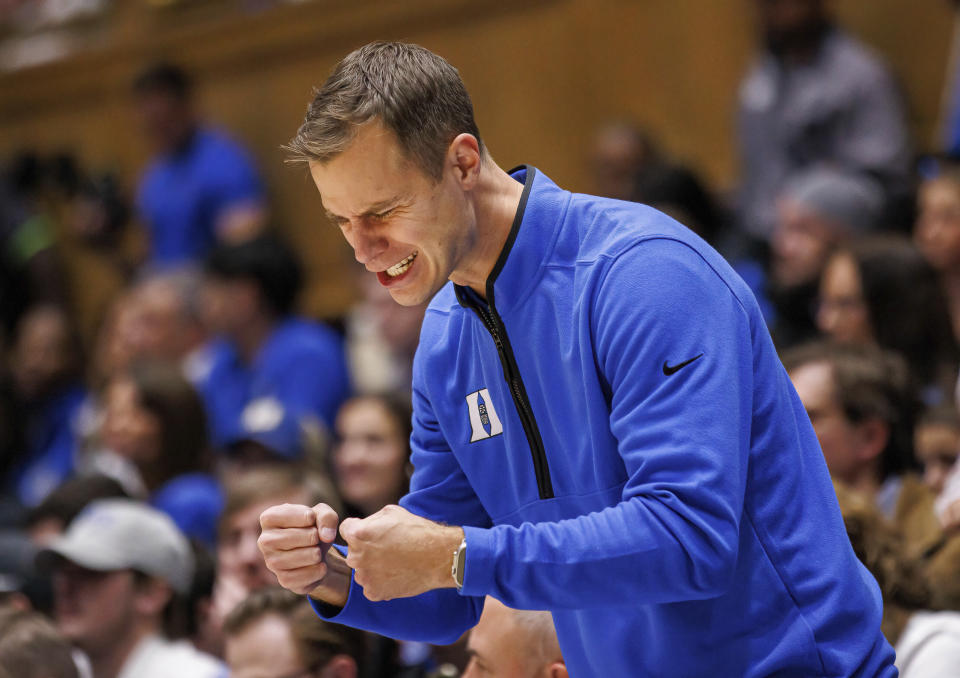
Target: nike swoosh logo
670,369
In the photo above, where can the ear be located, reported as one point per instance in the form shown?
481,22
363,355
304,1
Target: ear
557,670
152,596
341,666
464,156
872,437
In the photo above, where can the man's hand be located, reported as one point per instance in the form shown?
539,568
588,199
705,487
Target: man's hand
295,542
396,554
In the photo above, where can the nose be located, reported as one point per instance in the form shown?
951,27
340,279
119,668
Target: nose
366,246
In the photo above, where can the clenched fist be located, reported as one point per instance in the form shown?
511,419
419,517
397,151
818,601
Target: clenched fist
295,542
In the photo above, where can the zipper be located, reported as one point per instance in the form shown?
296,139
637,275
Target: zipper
511,373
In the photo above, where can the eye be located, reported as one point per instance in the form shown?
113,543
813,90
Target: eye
383,215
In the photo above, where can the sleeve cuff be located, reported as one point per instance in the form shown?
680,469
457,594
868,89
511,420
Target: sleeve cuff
478,573
326,610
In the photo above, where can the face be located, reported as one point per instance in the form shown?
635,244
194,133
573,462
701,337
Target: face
264,649
789,22
838,437
40,354
618,155
843,315
238,556
936,446
129,429
164,119
93,609
801,244
164,332
496,647
410,231
226,305
371,456
937,231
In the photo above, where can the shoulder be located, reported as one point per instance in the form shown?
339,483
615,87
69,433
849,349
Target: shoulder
859,66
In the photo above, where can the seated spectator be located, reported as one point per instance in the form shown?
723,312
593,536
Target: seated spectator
860,402
45,369
881,291
155,443
619,150
115,573
371,457
51,517
30,270
274,632
937,445
30,647
509,643
202,187
382,337
817,211
815,96
937,233
240,566
168,325
267,363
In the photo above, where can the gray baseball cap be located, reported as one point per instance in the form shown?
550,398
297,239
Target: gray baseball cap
120,534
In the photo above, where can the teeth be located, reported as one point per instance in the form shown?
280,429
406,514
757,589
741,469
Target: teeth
401,267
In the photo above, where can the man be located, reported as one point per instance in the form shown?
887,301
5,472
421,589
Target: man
275,633
509,643
601,426
814,97
115,572
268,367
860,402
202,187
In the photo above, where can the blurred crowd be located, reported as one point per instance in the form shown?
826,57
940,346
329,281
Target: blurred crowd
143,433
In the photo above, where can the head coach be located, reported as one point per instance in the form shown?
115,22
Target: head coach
601,428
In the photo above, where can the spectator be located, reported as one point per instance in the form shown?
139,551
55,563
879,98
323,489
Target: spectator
881,291
30,272
30,647
51,517
155,441
168,326
620,149
275,632
115,572
371,459
382,337
202,187
816,211
508,643
937,444
861,404
937,234
45,368
814,97
268,364
240,566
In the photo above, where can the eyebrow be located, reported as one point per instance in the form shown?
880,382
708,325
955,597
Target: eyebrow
375,208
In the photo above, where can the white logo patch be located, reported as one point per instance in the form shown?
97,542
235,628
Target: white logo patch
483,417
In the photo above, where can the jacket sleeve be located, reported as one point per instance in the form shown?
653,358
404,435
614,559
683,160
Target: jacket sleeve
438,491
683,438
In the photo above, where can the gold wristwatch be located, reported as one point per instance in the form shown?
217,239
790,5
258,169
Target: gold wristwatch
459,561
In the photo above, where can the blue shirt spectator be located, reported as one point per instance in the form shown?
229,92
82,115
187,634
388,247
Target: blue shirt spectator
185,197
267,365
202,187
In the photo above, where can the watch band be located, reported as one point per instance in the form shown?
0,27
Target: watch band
459,561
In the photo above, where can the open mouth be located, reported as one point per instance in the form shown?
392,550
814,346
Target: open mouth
401,267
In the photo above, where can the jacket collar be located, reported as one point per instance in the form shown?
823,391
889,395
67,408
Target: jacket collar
529,243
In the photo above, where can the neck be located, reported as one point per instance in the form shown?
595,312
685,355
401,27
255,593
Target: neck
495,200
865,482
110,663
253,334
